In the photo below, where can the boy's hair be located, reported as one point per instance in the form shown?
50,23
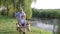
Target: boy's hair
22,16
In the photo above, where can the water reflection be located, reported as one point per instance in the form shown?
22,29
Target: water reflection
46,24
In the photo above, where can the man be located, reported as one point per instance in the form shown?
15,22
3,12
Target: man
18,16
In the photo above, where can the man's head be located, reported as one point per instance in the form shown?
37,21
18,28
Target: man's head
21,10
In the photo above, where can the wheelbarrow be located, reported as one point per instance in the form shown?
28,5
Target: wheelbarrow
21,29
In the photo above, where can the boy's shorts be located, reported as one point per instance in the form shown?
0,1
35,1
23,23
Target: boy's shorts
22,24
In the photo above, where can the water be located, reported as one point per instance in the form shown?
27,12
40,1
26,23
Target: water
46,24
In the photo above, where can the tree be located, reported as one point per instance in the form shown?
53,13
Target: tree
14,5
26,5
0,2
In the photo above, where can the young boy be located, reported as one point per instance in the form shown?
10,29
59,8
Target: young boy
22,22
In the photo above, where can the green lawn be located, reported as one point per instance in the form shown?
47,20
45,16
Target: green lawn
8,26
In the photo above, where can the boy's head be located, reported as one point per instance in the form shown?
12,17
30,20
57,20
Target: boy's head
22,17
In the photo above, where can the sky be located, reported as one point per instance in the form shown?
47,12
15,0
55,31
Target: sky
46,4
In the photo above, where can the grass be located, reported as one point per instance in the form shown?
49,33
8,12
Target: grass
8,26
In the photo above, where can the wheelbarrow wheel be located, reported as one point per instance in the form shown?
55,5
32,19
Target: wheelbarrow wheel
23,32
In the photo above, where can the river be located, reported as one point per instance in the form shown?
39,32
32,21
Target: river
45,24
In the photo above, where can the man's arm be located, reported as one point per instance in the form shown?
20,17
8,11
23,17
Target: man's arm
16,14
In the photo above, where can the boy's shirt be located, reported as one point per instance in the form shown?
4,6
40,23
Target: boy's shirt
23,21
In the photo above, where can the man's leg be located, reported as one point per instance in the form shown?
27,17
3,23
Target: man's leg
28,27
17,27
20,27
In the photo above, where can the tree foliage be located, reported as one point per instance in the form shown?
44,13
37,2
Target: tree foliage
14,5
46,13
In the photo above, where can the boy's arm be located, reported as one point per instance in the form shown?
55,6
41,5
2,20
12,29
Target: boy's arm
25,22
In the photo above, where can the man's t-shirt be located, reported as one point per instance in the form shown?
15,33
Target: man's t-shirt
18,15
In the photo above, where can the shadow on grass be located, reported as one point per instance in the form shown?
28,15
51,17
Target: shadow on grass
36,32
5,31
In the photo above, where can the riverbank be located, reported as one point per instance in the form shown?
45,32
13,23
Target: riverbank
8,26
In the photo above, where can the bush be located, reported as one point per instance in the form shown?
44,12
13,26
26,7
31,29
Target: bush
53,14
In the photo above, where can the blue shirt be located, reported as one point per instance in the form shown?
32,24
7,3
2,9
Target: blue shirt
18,15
